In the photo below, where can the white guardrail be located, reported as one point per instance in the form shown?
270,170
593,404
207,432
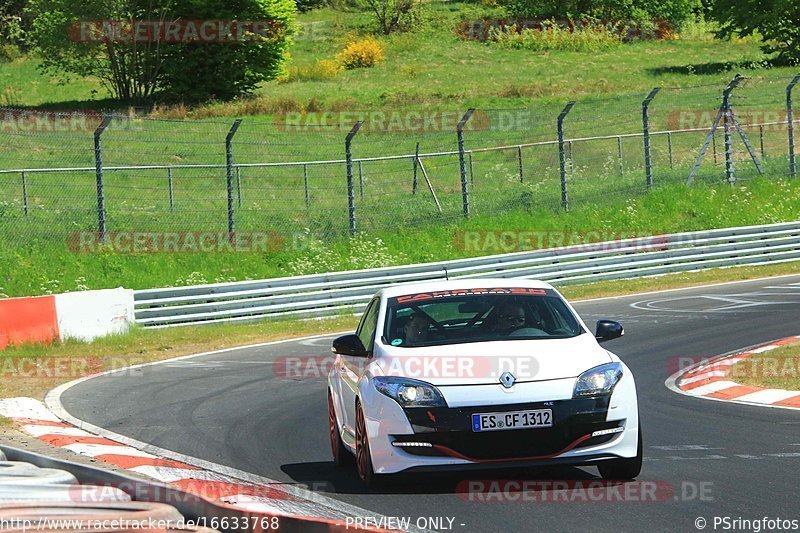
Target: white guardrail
325,294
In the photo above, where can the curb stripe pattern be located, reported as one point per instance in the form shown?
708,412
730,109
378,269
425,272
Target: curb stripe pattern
709,380
34,418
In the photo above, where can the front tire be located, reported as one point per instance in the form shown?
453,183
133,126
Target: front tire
363,456
623,469
341,455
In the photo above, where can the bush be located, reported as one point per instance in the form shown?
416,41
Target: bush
588,38
324,69
675,11
777,21
393,15
307,5
9,52
364,53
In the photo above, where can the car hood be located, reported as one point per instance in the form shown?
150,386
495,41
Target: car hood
479,363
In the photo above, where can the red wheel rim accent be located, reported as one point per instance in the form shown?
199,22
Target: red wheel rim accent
361,445
332,426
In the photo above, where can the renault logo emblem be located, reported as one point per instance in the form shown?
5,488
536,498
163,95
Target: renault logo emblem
507,379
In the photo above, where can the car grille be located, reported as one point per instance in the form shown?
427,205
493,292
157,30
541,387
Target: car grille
450,428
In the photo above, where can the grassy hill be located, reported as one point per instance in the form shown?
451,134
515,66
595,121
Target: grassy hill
428,68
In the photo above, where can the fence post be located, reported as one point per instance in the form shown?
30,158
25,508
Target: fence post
98,168
471,170
416,159
761,138
727,119
239,185
361,179
462,161
229,167
519,158
669,147
790,124
351,200
24,195
562,161
169,179
648,159
305,182
619,155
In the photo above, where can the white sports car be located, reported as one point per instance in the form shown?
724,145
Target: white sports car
492,372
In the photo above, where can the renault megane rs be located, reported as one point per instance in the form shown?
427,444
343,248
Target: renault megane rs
493,373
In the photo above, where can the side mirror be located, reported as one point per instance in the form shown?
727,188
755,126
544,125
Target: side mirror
608,330
349,345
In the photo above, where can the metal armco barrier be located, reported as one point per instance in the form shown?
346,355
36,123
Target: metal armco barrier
332,293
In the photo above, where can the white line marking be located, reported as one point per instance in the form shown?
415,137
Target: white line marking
93,450
706,375
764,349
170,474
712,387
754,280
767,396
26,408
38,431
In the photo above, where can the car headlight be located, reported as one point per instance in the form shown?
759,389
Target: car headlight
598,380
410,392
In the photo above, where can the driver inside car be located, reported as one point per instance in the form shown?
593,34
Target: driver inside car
418,329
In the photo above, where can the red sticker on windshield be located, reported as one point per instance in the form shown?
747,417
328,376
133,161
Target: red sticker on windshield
435,295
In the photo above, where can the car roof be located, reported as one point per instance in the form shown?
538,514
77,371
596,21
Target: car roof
443,285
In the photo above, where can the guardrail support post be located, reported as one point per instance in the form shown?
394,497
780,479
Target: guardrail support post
790,124
351,199
562,161
462,163
229,167
24,195
98,169
648,158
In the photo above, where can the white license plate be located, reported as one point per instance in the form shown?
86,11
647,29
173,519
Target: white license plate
539,418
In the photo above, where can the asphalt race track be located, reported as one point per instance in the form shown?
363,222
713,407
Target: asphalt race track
235,409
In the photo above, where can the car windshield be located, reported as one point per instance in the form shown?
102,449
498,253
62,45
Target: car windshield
476,315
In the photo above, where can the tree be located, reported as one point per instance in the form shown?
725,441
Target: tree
777,21
130,46
393,15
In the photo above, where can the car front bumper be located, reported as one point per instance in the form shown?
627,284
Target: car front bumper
444,438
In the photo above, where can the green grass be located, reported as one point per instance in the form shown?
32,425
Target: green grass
775,369
47,265
433,67
429,68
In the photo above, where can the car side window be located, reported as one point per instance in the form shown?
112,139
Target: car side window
368,325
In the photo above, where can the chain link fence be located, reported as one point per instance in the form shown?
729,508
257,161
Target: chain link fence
62,173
